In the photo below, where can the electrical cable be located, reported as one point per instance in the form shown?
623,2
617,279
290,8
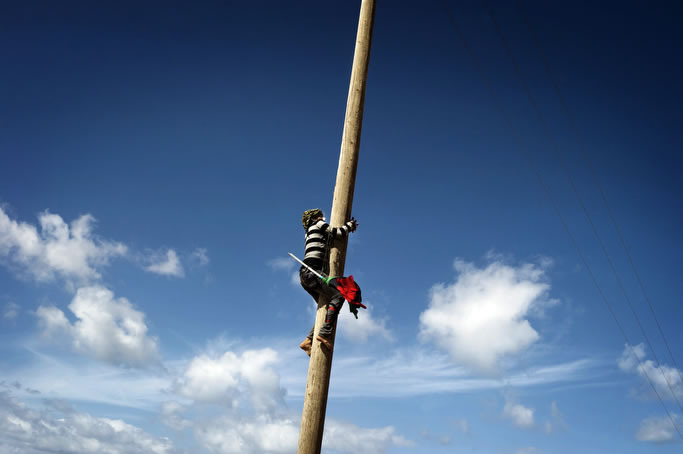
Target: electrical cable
596,181
555,147
493,94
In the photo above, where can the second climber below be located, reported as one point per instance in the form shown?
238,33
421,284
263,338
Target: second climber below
319,236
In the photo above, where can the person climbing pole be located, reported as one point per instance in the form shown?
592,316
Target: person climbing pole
319,235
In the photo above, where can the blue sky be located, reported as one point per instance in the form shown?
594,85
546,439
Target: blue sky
156,161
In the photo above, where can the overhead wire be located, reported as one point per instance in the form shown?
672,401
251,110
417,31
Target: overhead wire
596,180
545,188
555,147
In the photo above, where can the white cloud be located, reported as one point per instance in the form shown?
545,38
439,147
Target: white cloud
166,264
53,321
363,328
10,311
81,379
107,328
408,373
481,317
58,428
171,415
344,437
520,415
667,380
256,420
201,256
70,251
262,434
657,430
274,435
226,378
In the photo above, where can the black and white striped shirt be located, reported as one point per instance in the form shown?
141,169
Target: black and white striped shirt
316,241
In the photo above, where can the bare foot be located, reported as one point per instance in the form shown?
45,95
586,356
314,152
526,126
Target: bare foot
306,346
326,342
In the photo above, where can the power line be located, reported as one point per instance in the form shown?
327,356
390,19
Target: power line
597,183
555,147
496,99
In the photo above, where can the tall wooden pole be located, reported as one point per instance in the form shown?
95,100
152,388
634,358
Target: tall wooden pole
320,366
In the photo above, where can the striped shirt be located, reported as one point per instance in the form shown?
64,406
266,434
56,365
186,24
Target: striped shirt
316,241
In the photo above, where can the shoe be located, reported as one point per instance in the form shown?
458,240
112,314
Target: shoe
306,346
326,342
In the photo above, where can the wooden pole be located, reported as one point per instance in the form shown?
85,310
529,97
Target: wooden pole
320,366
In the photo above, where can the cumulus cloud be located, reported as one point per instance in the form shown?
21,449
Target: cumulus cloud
344,437
70,251
667,380
10,311
262,434
482,316
167,264
226,378
58,428
254,418
53,321
274,435
520,415
657,430
106,328
365,327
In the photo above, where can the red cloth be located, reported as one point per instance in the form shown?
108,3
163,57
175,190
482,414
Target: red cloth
349,290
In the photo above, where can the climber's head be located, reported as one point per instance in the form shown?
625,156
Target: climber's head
311,216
